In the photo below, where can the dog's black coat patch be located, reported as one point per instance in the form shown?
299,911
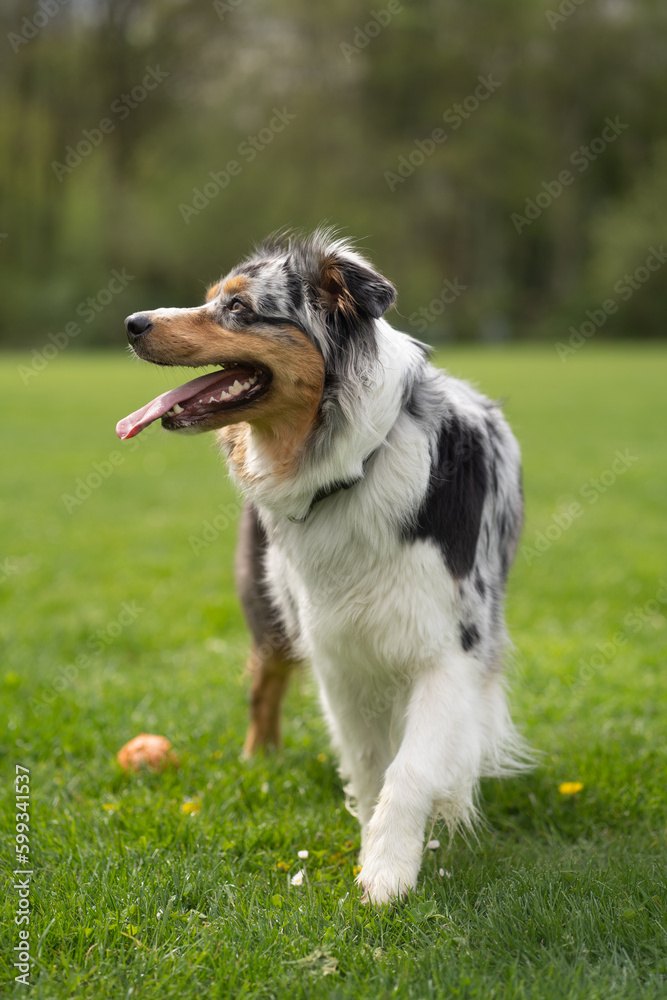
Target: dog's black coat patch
268,303
480,586
451,512
294,290
469,636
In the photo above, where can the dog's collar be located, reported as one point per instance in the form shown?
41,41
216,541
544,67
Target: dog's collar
329,491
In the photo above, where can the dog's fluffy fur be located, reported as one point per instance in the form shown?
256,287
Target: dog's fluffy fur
383,511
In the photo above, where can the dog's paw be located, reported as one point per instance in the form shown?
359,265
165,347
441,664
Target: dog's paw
382,884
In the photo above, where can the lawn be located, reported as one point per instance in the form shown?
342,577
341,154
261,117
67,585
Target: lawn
180,885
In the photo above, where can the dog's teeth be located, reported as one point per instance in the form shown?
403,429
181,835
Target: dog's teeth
245,385
212,399
224,395
236,388
251,381
176,408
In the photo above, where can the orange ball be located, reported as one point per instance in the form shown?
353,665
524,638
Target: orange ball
147,750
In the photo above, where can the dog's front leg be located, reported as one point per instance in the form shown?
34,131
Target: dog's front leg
438,763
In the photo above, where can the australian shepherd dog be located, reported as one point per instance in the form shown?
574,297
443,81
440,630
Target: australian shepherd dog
382,511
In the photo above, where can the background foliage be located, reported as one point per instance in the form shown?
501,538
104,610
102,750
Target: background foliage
361,98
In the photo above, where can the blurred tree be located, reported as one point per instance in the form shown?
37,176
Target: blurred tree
423,128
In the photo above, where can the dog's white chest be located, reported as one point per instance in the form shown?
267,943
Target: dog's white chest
362,599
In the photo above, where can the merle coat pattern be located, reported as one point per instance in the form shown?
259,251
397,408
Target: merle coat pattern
383,511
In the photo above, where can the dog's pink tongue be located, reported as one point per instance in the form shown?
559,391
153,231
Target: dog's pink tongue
135,422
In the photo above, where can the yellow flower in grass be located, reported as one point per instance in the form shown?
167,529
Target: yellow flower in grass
570,787
283,866
191,807
356,870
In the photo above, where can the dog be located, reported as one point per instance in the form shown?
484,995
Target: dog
383,508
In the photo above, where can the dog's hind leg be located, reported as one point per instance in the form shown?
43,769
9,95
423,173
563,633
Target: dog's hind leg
271,661
269,670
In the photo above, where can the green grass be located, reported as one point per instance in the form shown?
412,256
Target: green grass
132,897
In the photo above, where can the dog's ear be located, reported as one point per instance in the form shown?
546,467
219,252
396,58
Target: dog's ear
354,289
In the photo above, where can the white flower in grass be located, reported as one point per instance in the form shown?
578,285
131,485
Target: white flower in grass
433,845
302,855
298,878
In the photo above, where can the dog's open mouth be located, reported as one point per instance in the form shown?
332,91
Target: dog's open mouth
194,403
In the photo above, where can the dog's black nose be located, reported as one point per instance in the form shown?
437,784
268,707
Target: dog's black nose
137,325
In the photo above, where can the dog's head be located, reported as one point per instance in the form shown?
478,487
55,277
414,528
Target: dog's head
294,318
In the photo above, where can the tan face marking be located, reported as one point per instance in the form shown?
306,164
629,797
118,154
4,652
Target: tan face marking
212,291
284,416
234,286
